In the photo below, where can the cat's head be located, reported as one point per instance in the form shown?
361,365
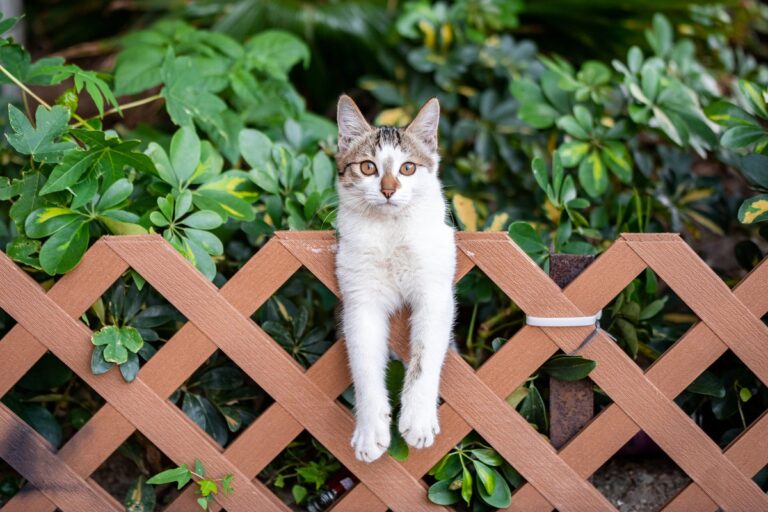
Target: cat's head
386,168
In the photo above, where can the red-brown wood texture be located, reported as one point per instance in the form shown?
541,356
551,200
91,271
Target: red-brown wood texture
219,319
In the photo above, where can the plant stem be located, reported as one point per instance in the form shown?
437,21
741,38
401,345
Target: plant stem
23,87
127,106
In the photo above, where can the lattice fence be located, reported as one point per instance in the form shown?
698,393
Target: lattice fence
306,399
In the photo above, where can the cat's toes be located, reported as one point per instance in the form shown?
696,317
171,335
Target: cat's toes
371,441
419,426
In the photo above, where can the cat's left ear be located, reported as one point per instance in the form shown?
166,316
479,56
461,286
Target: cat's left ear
424,125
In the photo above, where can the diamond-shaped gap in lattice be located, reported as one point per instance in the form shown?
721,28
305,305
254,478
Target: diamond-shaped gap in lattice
221,399
643,481
488,472
485,317
725,400
53,400
647,318
124,474
301,317
134,308
10,482
305,472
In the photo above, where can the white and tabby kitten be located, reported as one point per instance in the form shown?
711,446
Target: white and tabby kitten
395,249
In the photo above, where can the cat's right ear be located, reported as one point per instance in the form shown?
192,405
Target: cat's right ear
351,122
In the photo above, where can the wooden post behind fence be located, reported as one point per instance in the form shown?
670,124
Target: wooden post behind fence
571,404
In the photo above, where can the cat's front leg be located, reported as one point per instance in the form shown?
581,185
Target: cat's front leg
431,325
366,330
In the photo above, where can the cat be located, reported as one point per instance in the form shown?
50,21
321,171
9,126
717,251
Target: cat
395,250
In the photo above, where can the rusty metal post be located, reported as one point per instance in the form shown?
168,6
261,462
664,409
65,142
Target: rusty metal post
571,404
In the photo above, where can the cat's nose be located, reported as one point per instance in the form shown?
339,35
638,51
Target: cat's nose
387,192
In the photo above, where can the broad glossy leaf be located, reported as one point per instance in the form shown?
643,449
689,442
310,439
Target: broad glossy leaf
727,114
533,409
120,222
440,493
207,240
46,221
276,51
501,496
39,141
486,475
201,411
231,194
185,153
707,384
118,192
62,251
203,219
754,95
742,136
98,364
466,485
44,422
130,369
527,238
572,127
569,368
162,163
755,168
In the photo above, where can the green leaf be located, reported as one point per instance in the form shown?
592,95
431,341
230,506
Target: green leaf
486,475
47,221
572,153
118,192
488,456
398,448
572,127
136,69
501,496
256,149
299,493
540,172
43,421
208,487
745,394
180,475
38,141
74,164
754,209
729,115
62,251
742,136
440,494
533,409
568,368
448,468
119,223
276,52
98,364
755,168
201,411
616,156
629,335
162,164
653,308
208,241
592,174
707,384
231,194
130,369
466,485
660,37
754,96
186,98
185,153
140,497
527,238
203,219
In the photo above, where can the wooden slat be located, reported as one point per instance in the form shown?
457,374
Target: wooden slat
672,373
271,367
621,378
70,341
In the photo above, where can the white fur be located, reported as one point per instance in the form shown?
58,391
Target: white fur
393,254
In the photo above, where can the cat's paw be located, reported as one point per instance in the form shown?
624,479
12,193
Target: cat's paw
371,437
419,425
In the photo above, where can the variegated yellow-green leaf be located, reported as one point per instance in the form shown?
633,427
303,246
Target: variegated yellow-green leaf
230,195
754,95
617,158
572,153
465,211
46,221
592,174
499,222
754,209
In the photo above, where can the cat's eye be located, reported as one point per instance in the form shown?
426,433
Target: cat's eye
368,168
408,168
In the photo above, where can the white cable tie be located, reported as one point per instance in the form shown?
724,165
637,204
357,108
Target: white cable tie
565,321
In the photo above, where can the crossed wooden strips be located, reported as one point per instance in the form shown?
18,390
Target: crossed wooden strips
306,399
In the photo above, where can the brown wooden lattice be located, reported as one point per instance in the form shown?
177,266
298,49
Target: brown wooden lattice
306,399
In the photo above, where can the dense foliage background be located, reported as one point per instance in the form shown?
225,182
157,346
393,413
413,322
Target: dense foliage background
211,122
